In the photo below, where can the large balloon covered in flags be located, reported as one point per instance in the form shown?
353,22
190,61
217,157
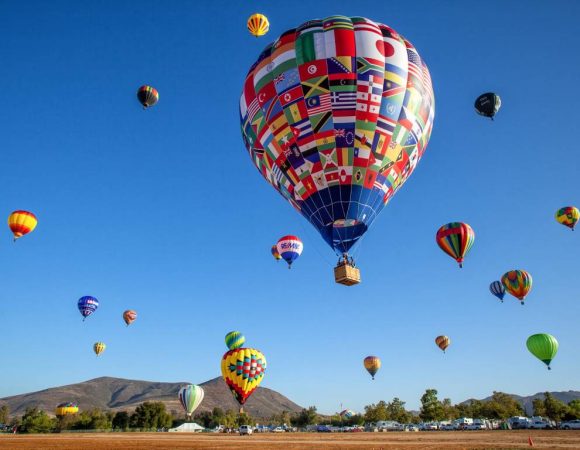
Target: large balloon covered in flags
336,114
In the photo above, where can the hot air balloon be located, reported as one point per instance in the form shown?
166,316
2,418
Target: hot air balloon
235,339
497,289
99,347
66,409
517,283
568,216
456,239
346,414
275,253
488,104
190,397
243,370
129,316
87,305
21,223
544,347
258,25
442,342
289,248
147,96
335,115
372,364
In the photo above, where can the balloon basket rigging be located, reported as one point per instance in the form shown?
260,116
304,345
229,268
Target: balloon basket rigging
346,274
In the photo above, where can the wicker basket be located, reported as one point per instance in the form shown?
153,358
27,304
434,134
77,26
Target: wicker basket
346,274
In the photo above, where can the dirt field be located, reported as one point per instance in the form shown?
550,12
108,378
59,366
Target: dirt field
287,441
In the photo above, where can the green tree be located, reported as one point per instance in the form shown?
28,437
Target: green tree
305,417
4,414
230,419
573,410
539,408
450,412
36,421
151,415
555,409
431,407
244,419
501,406
121,420
374,413
396,411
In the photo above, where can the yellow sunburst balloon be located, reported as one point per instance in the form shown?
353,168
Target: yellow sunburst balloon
258,25
99,348
21,223
243,370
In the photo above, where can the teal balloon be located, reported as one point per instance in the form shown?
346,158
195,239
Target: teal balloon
235,339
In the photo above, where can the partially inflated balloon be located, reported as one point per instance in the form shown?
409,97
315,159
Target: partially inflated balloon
517,283
372,364
129,316
275,253
87,305
442,342
243,370
335,115
21,223
66,409
258,25
346,414
99,347
190,397
568,216
235,339
147,96
543,346
488,104
455,239
289,248
497,289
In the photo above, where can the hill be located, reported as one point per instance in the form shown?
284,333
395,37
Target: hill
526,401
120,394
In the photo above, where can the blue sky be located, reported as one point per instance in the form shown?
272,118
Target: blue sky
163,212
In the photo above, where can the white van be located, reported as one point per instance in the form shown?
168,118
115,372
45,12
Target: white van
245,429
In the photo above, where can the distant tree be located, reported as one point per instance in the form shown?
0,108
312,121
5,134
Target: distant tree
65,422
151,415
36,421
4,414
396,411
501,406
121,420
450,411
374,413
555,409
308,416
244,419
431,407
573,410
230,419
283,418
205,419
539,408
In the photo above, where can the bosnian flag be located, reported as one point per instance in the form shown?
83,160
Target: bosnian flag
289,248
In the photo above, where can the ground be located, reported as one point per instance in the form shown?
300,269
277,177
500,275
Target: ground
289,441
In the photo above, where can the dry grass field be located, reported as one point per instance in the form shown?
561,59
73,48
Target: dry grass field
287,441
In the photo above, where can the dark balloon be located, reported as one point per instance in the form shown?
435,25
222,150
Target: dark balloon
147,96
488,104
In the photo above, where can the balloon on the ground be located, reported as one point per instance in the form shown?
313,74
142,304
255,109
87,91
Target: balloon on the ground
346,414
235,339
66,409
442,342
99,347
517,283
129,316
456,239
21,223
497,289
147,96
568,216
258,25
243,370
488,104
543,346
190,397
372,364
87,305
275,253
289,248
336,114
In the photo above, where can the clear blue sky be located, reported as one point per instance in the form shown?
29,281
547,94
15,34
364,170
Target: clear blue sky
162,210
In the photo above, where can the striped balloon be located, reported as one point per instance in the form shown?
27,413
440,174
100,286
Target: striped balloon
346,414
372,364
87,305
275,253
147,96
517,283
289,248
442,342
129,316
235,339
258,25
568,216
243,370
456,239
497,289
99,347
21,223
190,397
543,346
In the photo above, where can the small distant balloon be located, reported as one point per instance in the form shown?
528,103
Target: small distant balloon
544,347
456,239
190,397
275,253
568,216
235,339
290,248
99,347
66,409
488,104
372,364
129,316
87,305
517,283
258,25
147,96
442,342
346,414
21,223
497,289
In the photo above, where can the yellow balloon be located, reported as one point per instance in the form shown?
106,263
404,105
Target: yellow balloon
21,223
258,25
243,370
99,348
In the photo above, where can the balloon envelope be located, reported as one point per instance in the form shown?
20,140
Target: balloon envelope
99,347
275,253
87,305
517,283
289,248
346,414
568,216
21,223
235,339
442,342
147,96
488,104
258,25
130,316
497,289
243,370
543,346
456,239
66,409
372,364
190,397
335,115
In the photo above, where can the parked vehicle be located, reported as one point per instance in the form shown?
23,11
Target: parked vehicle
245,429
448,427
411,427
430,426
570,425
540,425
278,430
519,423
323,429
476,426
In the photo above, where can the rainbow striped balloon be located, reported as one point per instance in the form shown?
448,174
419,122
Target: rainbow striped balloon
568,216
21,223
456,239
517,283
147,96
235,339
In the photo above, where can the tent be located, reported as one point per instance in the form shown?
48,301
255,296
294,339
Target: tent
190,427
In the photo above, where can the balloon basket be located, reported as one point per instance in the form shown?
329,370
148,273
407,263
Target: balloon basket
346,274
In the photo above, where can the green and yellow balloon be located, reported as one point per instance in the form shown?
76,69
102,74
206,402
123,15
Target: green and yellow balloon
543,346
235,339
